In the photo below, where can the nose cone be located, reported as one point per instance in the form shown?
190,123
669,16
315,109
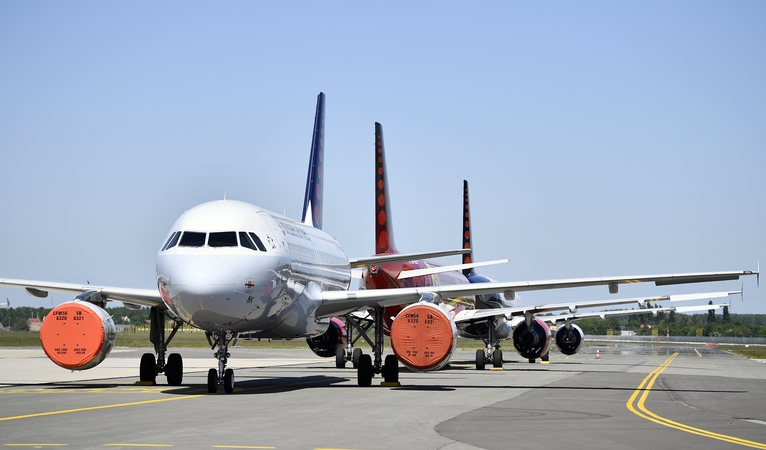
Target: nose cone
199,286
203,276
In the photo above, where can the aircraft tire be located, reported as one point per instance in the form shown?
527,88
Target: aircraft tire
480,361
340,358
546,357
228,381
391,369
212,381
174,369
364,371
355,357
531,360
497,358
148,368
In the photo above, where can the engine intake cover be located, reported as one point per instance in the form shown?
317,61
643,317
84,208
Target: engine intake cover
423,337
77,335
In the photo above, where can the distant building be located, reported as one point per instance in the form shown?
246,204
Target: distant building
34,324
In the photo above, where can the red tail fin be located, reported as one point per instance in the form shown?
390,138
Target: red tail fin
384,230
467,258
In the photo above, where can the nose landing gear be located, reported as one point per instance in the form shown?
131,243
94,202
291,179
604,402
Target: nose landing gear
223,375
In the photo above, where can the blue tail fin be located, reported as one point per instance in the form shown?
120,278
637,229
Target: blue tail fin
468,257
312,202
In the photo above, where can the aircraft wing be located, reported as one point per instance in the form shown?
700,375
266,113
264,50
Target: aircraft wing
40,289
573,307
342,302
626,312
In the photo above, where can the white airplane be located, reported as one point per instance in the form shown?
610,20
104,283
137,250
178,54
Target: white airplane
228,267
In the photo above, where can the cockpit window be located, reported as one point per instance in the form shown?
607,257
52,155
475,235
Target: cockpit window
245,241
223,239
257,241
172,241
192,239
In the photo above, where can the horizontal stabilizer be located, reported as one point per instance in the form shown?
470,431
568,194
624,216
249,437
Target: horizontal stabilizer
403,257
441,269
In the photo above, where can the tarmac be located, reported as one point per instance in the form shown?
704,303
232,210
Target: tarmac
634,396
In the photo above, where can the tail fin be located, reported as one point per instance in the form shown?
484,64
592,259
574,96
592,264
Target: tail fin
312,201
384,230
468,257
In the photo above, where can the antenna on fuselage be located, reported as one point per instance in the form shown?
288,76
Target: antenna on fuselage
224,194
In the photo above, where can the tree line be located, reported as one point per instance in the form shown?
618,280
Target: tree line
711,324
17,317
673,324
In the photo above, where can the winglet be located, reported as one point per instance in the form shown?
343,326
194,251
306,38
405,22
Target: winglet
384,229
312,201
468,257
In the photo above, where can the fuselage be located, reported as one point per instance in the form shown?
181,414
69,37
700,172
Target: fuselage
387,277
228,266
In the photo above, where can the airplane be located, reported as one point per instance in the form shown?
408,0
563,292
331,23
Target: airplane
229,267
488,317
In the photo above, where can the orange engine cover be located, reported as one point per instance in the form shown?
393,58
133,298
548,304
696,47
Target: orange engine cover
77,335
423,337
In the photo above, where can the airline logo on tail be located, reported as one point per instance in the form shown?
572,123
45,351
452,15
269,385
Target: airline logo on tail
312,202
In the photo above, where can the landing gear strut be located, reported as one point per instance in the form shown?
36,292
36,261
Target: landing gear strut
493,354
223,375
151,367
366,367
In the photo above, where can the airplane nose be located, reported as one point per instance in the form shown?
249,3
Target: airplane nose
203,276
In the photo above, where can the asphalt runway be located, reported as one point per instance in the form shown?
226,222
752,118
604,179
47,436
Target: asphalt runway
634,396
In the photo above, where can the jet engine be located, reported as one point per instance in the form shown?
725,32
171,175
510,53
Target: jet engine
569,339
77,335
326,344
423,337
532,341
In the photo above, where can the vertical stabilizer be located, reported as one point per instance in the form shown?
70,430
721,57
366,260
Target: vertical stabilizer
384,230
468,257
312,202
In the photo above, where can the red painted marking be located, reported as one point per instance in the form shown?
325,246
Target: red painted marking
320,155
467,235
381,199
319,192
382,217
380,184
380,171
383,240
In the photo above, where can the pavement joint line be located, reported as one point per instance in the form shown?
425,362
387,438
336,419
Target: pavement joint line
243,446
646,386
35,445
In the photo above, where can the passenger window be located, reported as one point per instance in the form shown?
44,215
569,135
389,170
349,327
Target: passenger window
257,241
245,241
223,239
192,239
172,241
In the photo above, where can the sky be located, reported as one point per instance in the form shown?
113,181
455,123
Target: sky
598,138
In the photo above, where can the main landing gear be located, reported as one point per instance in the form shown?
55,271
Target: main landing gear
493,354
151,367
363,363
223,375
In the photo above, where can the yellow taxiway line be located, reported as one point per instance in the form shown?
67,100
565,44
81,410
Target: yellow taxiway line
641,410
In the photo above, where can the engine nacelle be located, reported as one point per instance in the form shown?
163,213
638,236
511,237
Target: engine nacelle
532,341
326,344
569,340
77,335
423,337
